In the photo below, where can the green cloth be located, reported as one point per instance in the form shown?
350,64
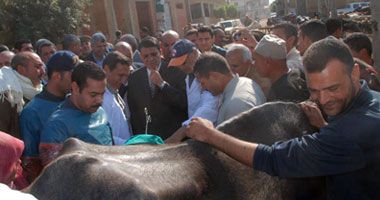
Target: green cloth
144,139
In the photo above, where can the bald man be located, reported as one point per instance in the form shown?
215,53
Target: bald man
124,48
168,38
6,58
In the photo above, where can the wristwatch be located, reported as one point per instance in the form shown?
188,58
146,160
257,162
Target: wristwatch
163,84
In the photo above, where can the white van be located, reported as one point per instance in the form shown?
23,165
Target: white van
352,6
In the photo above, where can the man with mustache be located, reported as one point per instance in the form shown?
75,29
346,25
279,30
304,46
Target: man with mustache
347,147
80,115
159,89
18,85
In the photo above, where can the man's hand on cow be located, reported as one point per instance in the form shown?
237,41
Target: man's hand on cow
313,113
199,129
178,136
246,38
156,78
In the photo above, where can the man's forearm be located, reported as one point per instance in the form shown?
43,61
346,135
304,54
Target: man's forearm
237,149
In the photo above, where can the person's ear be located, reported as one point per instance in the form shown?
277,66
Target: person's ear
107,69
21,70
213,75
56,76
74,88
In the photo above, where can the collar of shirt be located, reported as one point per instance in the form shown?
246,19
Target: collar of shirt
68,104
99,62
111,89
292,52
230,86
46,95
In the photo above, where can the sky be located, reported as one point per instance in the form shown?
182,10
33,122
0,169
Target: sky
270,1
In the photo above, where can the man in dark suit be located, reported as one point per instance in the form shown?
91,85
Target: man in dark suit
160,89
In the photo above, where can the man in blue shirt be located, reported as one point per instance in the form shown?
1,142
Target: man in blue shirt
99,49
346,149
36,114
80,115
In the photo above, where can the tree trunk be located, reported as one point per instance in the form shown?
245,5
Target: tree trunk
375,11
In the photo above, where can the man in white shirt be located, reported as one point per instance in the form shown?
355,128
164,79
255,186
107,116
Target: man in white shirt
201,103
289,33
117,68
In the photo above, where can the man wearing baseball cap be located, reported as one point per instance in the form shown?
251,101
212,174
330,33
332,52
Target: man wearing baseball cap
270,62
200,103
36,114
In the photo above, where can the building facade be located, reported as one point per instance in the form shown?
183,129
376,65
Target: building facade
255,9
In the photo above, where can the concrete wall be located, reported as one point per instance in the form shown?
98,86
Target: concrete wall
130,16
178,13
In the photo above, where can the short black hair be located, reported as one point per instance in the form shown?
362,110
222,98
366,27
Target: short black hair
69,40
204,29
332,25
315,30
131,40
20,59
43,43
50,71
191,32
359,41
258,34
85,38
85,70
289,30
118,33
216,29
211,62
19,43
115,57
320,53
148,42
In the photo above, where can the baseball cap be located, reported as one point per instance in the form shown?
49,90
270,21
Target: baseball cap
271,46
180,52
63,60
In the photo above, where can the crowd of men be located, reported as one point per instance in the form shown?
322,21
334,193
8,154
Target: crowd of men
105,93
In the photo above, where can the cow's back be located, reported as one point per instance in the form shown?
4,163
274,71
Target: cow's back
190,170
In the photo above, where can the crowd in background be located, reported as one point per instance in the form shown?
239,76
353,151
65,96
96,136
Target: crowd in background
105,92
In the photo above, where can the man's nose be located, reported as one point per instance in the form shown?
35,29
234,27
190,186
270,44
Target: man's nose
324,97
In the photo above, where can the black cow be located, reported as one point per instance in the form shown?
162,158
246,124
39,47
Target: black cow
190,170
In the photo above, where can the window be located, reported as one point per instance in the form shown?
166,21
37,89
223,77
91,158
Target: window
196,11
205,8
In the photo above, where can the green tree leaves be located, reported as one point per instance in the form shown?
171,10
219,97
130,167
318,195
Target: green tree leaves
35,19
228,11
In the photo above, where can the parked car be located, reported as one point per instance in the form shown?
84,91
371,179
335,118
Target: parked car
230,26
352,6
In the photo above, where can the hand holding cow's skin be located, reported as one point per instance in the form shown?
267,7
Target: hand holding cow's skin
313,113
156,78
199,129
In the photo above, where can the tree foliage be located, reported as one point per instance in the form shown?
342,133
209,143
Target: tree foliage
35,19
272,6
232,11
220,12
227,12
